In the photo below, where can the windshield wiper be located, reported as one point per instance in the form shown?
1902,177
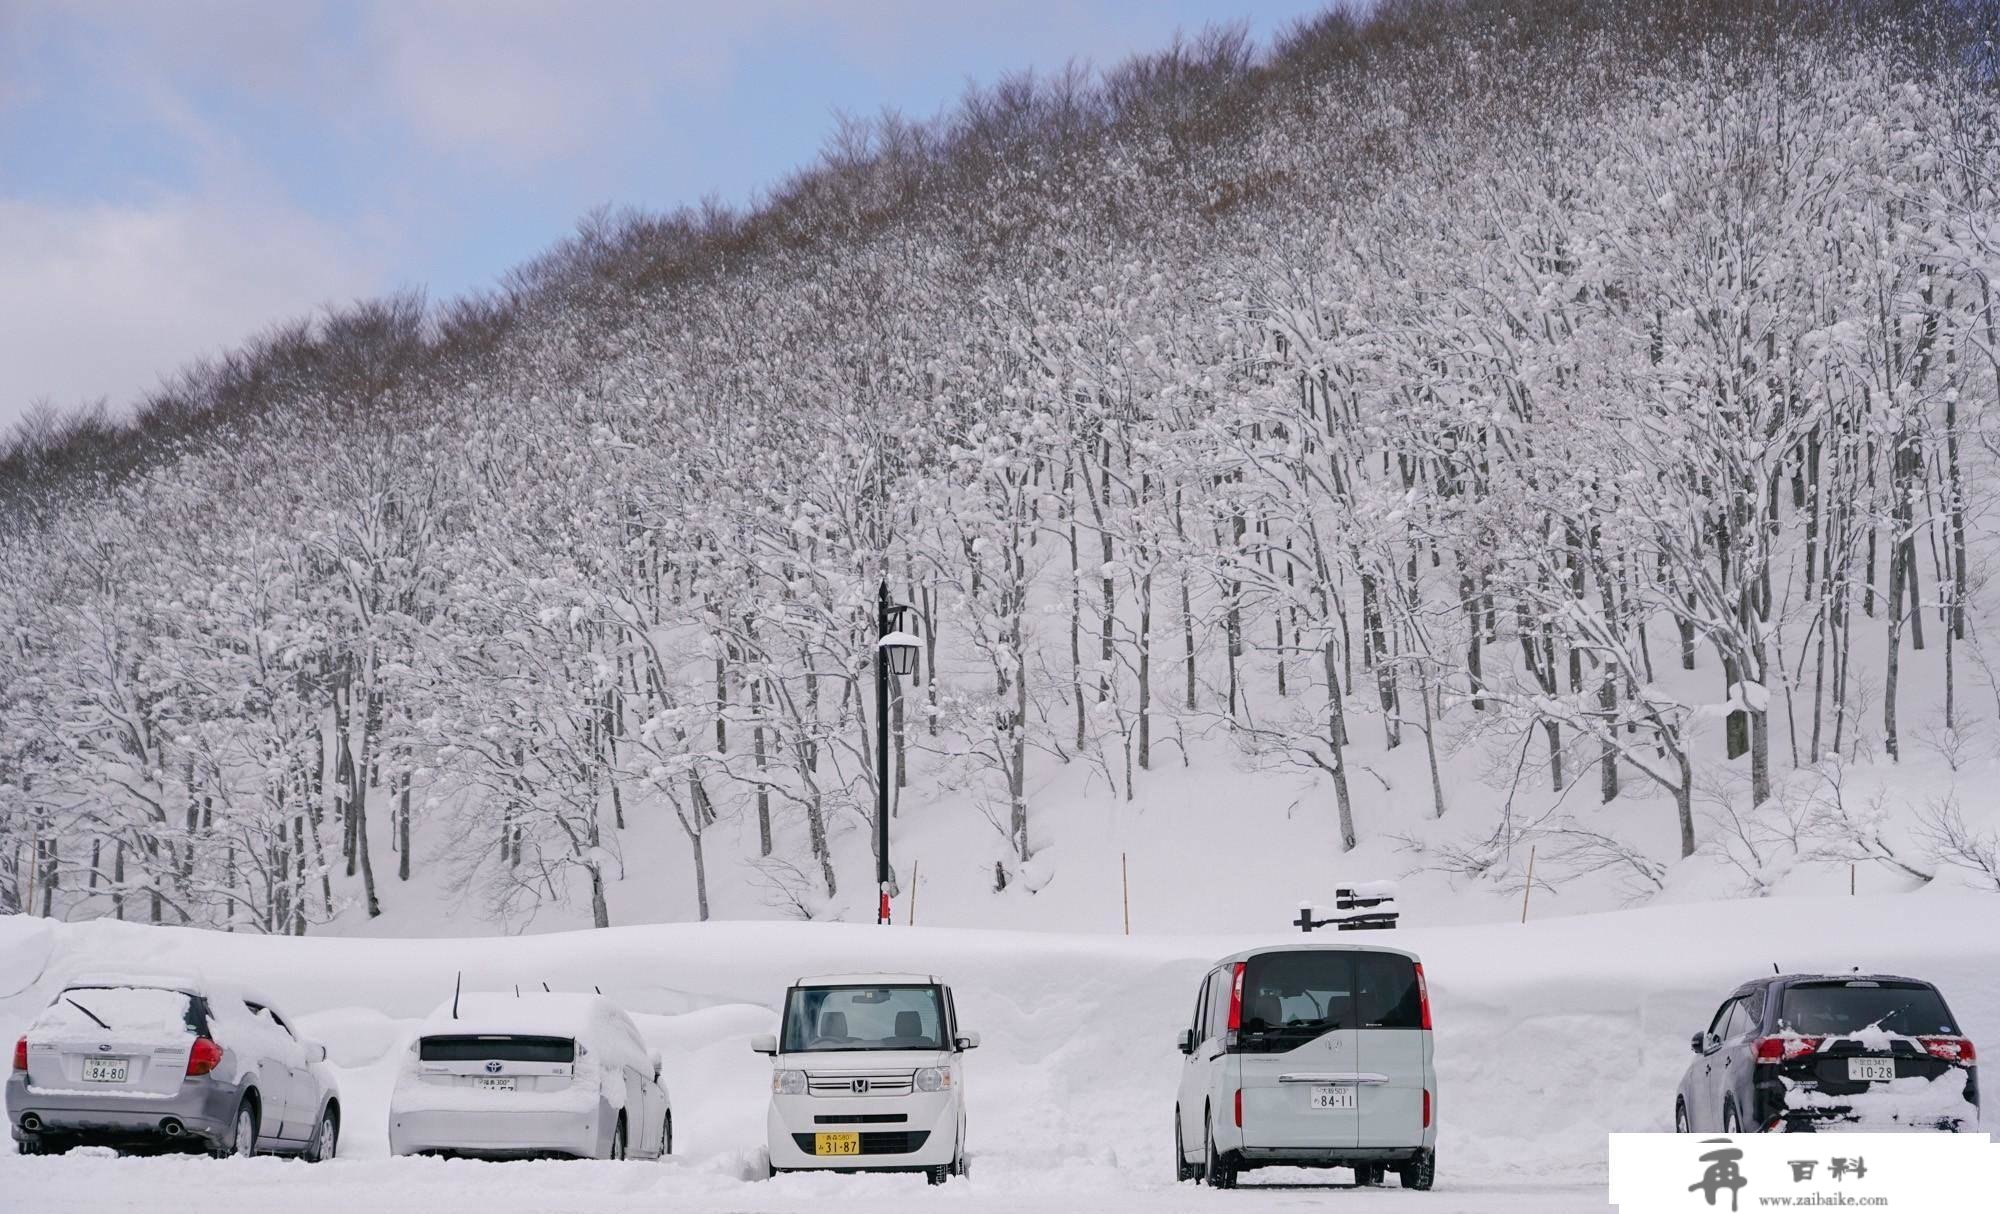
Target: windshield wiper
86,1011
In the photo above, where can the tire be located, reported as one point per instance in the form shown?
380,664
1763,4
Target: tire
1730,1124
1680,1117
1183,1170
939,1174
242,1141
325,1138
618,1147
1420,1173
1217,1172
1370,1175
667,1134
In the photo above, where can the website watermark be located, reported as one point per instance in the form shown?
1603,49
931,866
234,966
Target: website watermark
1707,1173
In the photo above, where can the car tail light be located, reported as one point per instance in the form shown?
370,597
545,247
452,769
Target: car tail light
1427,1108
1773,1050
1423,998
1236,999
1239,1108
21,1054
204,1057
1951,1049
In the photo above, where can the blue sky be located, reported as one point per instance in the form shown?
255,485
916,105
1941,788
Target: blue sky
176,174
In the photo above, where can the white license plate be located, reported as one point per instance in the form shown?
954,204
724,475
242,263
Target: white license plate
1871,1069
106,1070
1332,1098
505,1084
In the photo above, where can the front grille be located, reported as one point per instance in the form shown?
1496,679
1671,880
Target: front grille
877,1142
860,1118
887,1083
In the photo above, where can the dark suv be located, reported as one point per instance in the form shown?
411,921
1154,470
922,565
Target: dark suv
1796,1051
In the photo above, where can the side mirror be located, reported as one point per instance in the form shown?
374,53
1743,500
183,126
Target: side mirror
966,1041
655,1056
315,1052
1187,1041
764,1043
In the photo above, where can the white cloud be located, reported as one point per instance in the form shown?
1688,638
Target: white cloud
523,83
102,300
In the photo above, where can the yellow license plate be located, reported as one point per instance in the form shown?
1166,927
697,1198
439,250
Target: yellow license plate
836,1144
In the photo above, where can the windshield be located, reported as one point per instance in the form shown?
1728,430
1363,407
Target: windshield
863,1018
1834,1009
1292,998
93,1010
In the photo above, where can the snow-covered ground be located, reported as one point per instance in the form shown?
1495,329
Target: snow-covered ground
1550,1035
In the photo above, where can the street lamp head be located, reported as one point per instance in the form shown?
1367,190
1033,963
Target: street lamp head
899,649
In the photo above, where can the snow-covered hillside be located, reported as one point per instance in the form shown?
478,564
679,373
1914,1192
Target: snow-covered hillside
1342,459
1549,1036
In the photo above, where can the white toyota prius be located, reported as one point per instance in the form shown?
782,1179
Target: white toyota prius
502,1076
868,1074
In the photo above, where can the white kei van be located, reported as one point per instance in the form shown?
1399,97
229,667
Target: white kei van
1310,1055
868,1074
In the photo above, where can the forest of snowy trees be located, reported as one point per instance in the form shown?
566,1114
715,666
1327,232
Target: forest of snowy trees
1535,379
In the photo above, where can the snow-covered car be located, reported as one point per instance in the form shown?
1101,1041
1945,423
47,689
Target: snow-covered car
502,1076
177,1063
868,1074
1309,1056
1813,1051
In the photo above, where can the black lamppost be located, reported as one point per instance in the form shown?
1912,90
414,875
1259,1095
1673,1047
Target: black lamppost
895,653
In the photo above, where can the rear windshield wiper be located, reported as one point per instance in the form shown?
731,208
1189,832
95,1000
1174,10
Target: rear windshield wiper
86,1011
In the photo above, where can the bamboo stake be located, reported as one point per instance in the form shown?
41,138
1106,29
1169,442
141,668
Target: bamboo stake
1530,886
1850,878
913,893
1125,891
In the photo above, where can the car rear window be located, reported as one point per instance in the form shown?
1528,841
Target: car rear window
122,1009
1292,998
1826,1009
495,1047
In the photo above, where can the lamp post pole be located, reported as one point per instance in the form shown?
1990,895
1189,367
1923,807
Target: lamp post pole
882,630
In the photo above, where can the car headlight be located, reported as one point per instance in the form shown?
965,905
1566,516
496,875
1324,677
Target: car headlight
788,1083
934,1079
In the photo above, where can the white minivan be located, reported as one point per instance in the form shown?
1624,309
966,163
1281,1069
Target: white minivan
509,1076
1311,1055
868,1074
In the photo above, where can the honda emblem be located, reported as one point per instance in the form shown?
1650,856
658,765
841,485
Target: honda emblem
860,1086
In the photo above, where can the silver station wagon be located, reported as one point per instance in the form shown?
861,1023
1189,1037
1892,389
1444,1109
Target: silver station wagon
176,1064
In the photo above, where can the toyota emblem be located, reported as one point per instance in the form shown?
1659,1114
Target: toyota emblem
492,1068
